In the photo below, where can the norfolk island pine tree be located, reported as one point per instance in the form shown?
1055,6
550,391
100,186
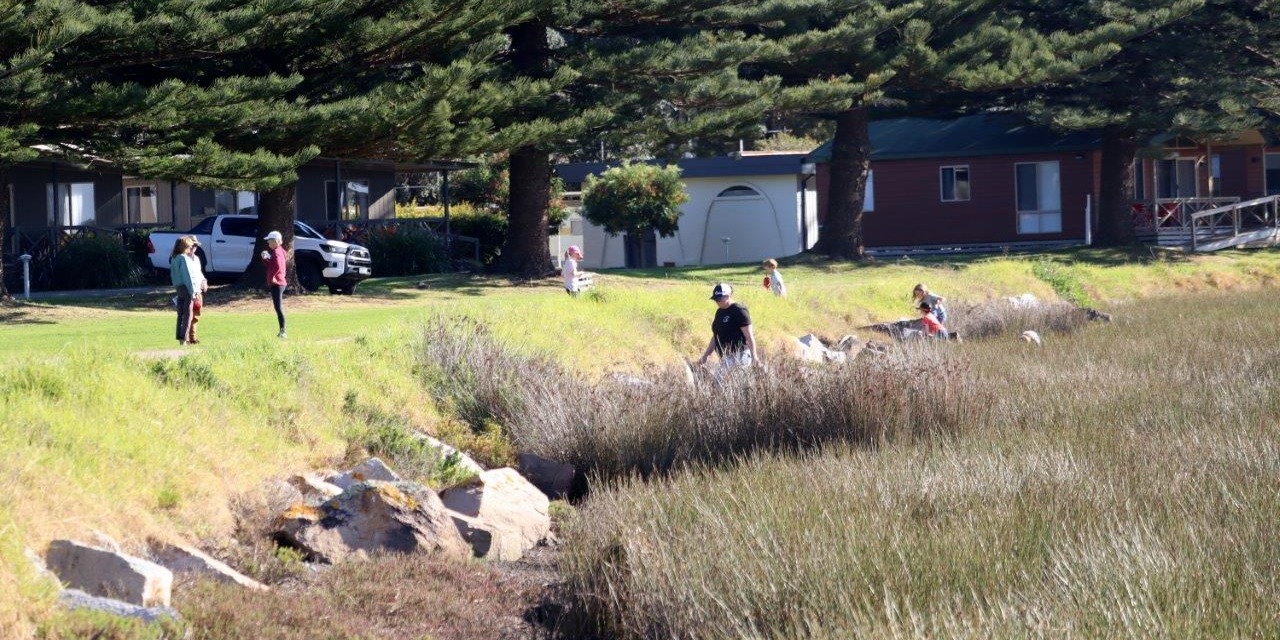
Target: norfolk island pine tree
86,98
639,74
1207,75
843,57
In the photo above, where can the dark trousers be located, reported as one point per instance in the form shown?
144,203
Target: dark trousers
184,313
277,299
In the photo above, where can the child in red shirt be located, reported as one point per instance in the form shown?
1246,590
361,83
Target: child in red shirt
932,327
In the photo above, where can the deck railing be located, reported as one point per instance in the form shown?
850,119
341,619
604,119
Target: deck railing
1260,216
1174,213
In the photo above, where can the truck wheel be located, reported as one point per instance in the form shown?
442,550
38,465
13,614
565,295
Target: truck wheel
309,275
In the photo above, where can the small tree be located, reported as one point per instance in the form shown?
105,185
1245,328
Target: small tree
635,198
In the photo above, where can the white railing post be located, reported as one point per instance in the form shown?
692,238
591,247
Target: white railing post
26,275
1088,220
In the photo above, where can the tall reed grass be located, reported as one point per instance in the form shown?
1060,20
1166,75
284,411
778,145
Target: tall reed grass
618,426
1123,481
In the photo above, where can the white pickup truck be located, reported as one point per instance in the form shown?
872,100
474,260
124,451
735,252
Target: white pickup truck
226,248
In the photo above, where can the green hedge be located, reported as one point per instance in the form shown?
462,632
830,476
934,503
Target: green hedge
94,262
403,251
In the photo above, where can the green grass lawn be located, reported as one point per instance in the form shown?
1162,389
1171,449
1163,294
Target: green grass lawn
97,433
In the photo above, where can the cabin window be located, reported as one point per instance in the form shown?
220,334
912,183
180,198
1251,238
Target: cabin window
1215,175
955,183
1139,180
869,193
1039,197
140,205
1273,174
72,206
1177,178
739,191
349,203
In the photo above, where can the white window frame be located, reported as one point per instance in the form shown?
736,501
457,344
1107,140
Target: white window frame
344,203
1195,180
1041,212
1215,175
968,181
52,190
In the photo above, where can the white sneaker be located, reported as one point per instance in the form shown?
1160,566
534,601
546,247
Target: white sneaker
281,335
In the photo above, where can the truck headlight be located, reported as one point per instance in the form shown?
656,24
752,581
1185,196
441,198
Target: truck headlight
333,248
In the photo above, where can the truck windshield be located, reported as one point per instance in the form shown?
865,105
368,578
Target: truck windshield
301,229
204,228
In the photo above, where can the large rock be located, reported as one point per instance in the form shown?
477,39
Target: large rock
314,488
555,479
371,469
374,516
513,512
111,574
180,558
811,349
75,599
446,451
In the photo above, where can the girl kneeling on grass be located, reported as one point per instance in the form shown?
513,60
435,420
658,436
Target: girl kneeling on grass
921,295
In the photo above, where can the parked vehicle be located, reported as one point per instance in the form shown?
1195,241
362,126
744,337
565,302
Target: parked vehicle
226,248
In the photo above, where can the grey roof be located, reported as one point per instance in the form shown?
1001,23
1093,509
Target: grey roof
780,164
986,134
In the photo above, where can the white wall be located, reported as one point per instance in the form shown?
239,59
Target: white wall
781,193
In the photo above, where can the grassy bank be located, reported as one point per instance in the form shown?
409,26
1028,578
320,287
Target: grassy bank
96,432
1122,481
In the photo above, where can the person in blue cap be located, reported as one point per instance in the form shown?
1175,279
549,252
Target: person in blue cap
731,335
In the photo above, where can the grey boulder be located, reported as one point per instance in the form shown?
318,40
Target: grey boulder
180,558
370,469
111,574
75,599
371,517
512,512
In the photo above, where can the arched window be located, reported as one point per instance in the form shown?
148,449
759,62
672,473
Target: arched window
739,191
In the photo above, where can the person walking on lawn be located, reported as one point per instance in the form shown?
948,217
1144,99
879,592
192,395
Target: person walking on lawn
201,285
731,335
184,284
276,261
570,271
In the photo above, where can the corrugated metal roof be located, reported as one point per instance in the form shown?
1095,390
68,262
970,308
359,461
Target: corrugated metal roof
780,164
986,134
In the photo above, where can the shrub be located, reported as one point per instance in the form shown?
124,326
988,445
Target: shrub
487,226
94,262
618,427
405,252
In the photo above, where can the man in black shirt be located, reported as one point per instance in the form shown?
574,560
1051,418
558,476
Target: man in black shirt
731,335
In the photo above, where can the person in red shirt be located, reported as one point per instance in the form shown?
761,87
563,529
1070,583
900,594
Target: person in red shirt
276,261
932,327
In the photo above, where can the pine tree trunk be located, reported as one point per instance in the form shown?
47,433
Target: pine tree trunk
1115,218
4,222
525,252
841,235
275,213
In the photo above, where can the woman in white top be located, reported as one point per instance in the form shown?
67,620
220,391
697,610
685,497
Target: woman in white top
570,270
201,285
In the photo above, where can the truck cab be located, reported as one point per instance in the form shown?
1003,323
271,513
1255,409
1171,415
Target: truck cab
227,243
